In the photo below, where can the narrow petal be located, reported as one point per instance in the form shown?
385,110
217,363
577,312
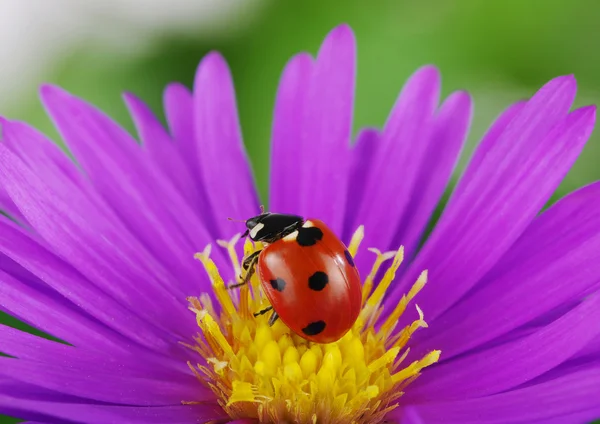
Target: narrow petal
407,415
328,129
442,152
102,414
130,360
178,103
231,190
98,385
7,206
113,262
38,151
554,262
514,363
50,315
123,176
289,125
394,169
491,138
575,394
517,177
162,150
361,157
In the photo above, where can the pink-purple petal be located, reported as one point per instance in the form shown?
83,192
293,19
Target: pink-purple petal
61,412
49,314
125,359
574,394
395,166
39,152
554,262
123,176
442,151
162,150
178,103
511,364
113,262
327,132
100,385
288,153
519,174
361,156
223,162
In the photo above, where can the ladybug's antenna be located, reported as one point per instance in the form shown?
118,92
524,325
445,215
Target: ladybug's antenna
236,220
240,220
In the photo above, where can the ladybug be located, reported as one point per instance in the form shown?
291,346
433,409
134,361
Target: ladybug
307,274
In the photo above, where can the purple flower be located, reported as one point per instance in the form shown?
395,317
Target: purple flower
99,253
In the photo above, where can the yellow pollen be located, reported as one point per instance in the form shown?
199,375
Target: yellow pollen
271,374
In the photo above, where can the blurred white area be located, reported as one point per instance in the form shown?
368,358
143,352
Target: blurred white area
34,34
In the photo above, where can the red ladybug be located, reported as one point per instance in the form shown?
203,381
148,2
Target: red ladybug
307,274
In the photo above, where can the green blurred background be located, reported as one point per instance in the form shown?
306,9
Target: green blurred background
500,51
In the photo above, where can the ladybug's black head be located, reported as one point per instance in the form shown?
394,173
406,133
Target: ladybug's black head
269,227
255,220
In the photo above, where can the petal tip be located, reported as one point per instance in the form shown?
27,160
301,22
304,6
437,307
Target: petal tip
342,30
175,89
564,82
213,67
586,113
213,60
51,94
342,36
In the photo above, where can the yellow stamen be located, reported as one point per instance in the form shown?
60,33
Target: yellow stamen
270,374
368,284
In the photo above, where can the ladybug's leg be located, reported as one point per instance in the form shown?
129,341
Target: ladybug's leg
250,260
264,311
248,266
274,317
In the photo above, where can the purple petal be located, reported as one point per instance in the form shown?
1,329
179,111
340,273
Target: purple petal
361,156
591,350
39,152
7,206
406,415
514,363
231,189
49,314
490,140
179,109
124,176
125,360
328,129
101,414
574,395
162,150
395,166
101,386
555,261
443,149
520,172
289,126
115,263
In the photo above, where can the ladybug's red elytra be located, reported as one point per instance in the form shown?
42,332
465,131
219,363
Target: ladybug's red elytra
307,274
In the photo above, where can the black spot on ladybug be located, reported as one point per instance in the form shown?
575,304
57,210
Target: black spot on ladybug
278,284
318,281
308,236
314,328
349,257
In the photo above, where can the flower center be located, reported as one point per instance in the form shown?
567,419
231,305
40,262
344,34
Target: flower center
269,373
